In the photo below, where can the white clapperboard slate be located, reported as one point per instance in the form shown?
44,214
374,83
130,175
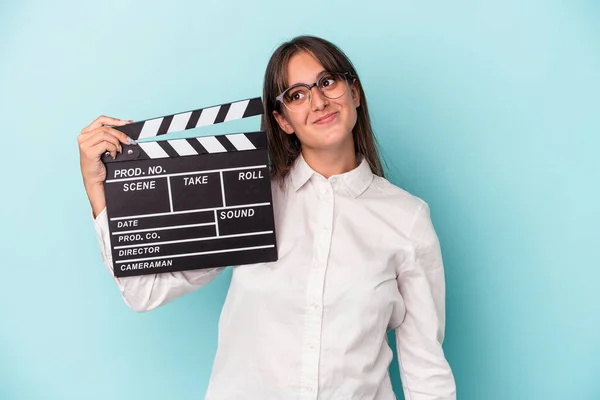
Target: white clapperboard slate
185,204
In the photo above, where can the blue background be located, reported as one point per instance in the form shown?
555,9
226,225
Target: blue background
487,110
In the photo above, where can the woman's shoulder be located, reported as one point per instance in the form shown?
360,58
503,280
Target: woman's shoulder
401,210
396,195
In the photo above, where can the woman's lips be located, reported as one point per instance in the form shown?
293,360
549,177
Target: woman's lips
326,119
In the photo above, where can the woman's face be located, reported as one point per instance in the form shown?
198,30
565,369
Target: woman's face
326,124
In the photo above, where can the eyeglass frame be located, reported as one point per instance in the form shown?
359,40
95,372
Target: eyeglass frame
347,76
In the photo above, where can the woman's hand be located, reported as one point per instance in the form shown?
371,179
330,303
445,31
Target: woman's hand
94,140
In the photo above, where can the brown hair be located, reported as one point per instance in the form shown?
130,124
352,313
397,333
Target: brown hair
284,148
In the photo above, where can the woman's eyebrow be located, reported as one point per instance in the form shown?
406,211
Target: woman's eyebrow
304,83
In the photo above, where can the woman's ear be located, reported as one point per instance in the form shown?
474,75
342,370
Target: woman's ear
283,123
355,87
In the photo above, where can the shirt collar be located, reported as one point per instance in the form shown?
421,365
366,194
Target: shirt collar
356,181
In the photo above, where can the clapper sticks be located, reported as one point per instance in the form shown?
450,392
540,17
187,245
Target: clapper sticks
192,203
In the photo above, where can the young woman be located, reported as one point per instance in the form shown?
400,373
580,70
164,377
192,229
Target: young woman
358,256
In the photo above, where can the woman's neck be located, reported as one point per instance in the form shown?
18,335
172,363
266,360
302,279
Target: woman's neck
328,163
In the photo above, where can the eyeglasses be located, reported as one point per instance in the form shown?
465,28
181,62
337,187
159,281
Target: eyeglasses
299,96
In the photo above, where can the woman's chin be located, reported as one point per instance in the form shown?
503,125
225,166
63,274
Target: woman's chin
334,139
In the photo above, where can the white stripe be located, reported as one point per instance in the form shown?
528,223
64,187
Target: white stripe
211,144
182,147
196,254
208,116
222,188
153,150
170,193
179,122
240,141
216,223
236,111
150,128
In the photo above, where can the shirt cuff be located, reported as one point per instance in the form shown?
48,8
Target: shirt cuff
103,236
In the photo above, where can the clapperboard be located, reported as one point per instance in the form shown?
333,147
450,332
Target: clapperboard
191,203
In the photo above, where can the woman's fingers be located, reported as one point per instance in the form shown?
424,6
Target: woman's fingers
104,120
103,147
101,134
89,147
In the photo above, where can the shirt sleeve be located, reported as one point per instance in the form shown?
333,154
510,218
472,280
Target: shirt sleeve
425,372
146,292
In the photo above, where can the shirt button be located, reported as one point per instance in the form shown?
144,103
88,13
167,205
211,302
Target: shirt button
311,347
315,305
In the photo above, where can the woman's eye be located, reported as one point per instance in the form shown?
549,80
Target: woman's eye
327,82
296,96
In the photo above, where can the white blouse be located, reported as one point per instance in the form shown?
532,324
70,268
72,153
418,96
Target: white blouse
358,256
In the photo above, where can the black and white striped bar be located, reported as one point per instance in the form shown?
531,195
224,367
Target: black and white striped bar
193,119
191,147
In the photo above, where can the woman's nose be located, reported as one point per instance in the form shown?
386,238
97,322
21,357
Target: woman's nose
318,101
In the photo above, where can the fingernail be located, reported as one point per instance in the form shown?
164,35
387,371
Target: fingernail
131,141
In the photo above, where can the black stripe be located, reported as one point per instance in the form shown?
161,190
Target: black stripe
132,130
255,107
171,234
169,220
193,119
197,146
168,148
222,113
142,154
164,125
226,143
211,245
258,139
